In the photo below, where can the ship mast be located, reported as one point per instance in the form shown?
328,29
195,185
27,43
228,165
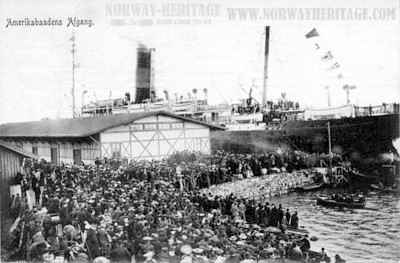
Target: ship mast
73,51
266,53
330,149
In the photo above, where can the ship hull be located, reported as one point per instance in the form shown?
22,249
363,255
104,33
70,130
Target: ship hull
359,138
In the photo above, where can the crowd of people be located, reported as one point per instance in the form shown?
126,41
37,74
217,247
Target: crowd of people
250,211
148,211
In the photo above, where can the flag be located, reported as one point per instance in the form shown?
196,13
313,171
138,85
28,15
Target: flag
327,56
312,33
334,66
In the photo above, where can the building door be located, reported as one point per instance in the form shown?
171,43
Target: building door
54,155
77,155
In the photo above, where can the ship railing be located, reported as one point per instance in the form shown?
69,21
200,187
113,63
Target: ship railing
377,110
127,108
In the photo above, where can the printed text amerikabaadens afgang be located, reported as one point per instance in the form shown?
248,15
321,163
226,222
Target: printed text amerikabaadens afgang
69,22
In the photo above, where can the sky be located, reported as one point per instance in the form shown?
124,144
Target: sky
224,55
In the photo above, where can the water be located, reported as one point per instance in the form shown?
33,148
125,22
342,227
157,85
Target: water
357,235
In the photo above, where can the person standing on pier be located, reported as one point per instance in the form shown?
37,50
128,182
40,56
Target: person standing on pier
324,256
280,214
287,215
274,216
294,221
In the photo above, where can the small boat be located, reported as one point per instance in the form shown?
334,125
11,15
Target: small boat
384,189
360,177
298,231
324,201
310,187
316,256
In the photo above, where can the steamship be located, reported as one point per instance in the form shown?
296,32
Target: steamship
361,131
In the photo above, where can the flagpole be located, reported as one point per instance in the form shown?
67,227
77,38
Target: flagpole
330,149
266,53
329,95
73,50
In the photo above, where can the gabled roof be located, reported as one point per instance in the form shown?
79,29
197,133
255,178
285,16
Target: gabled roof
17,150
81,127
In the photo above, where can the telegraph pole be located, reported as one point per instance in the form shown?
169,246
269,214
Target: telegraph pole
347,89
329,95
73,51
330,149
265,77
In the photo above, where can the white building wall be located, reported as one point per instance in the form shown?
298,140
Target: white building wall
154,137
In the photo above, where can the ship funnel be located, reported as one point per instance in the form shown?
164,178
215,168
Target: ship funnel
266,53
144,74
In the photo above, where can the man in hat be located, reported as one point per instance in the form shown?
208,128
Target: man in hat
294,220
280,214
91,241
120,253
37,248
186,251
104,240
148,257
65,214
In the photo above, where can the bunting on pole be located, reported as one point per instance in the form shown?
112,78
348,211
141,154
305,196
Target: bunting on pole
327,56
312,33
334,66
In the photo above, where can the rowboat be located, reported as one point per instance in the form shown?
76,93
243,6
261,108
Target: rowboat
324,201
316,256
310,187
363,178
384,189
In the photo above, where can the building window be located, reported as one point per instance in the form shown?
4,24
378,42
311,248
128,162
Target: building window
54,155
150,127
77,156
35,150
164,126
178,125
116,150
137,127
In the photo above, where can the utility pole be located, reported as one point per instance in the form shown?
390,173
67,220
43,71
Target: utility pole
347,89
329,95
83,99
330,149
73,51
266,53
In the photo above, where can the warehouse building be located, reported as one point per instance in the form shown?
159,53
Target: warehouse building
11,159
148,135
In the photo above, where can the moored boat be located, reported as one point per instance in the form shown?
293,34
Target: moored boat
384,189
360,177
325,201
316,256
310,187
